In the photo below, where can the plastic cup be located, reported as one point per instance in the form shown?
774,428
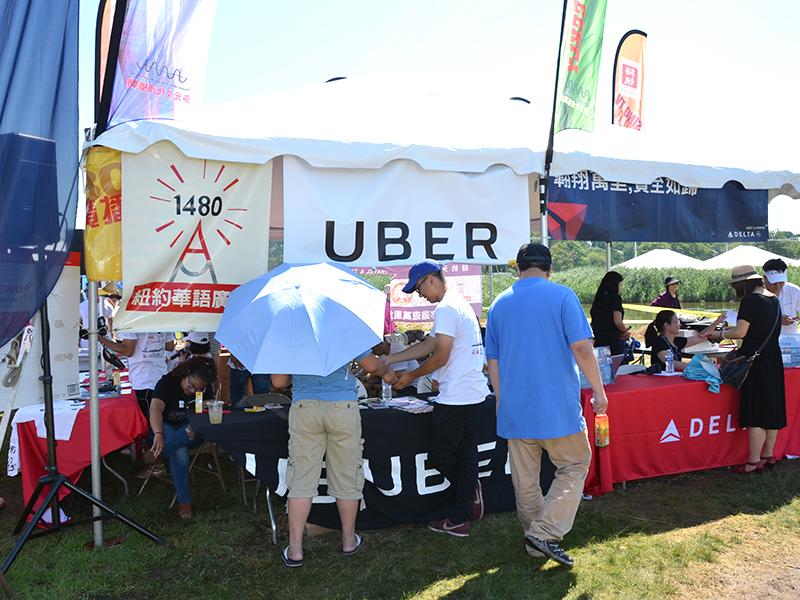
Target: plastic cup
214,411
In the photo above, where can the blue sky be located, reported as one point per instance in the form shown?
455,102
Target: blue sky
720,69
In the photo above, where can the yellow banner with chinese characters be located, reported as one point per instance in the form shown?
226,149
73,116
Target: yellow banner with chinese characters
103,214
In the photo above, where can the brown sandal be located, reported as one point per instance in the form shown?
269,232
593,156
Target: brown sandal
185,510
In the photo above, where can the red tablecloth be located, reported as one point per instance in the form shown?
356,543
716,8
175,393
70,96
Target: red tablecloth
121,422
665,425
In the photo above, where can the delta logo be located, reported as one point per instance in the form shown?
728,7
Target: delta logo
698,427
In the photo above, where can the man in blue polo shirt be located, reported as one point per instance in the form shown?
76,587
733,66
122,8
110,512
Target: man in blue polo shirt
537,336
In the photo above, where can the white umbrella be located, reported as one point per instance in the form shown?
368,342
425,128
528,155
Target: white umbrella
302,319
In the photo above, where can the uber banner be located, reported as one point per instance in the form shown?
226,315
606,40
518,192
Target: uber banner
584,206
401,213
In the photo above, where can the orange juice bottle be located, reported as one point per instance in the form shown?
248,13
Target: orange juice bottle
198,402
601,430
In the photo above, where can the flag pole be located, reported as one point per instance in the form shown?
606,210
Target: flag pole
103,96
544,188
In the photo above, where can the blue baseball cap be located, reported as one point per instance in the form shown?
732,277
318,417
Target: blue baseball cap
419,270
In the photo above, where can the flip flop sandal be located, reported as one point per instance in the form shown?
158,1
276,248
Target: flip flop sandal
289,562
359,541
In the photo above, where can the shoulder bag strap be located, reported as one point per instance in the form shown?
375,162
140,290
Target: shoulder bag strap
771,331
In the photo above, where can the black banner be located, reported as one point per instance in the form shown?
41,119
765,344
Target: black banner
401,487
584,206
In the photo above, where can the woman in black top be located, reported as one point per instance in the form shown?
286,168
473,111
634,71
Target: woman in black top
173,398
662,336
607,313
762,400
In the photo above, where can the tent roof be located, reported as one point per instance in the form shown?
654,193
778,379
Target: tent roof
661,258
744,255
370,120
362,122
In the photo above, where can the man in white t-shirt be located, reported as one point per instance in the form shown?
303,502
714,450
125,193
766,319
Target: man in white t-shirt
788,294
457,348
147,361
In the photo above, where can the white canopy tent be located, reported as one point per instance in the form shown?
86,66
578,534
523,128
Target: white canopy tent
745,255
366,122
662,258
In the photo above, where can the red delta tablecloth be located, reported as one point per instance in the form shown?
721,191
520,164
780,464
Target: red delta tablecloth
666,425
121,422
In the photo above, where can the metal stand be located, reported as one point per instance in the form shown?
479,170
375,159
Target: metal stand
55,479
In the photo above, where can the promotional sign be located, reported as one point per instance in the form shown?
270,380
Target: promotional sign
584,206
628,87
62,307
103,214
192,230
401,213
581,46
163,52
465,279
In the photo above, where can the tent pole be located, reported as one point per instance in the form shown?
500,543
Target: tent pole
608,256
94,415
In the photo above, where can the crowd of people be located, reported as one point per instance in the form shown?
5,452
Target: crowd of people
534,413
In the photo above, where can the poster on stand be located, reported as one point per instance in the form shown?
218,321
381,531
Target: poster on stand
192,231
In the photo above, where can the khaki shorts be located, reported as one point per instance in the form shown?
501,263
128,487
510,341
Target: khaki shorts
331,430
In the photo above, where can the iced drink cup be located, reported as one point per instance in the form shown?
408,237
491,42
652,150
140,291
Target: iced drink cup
214,411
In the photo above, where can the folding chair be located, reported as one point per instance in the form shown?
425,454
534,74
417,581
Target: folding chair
207,447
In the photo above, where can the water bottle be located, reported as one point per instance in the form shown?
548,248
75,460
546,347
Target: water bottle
601,430
386,392
670,360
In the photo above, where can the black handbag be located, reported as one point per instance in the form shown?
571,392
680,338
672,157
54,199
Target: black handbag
733,369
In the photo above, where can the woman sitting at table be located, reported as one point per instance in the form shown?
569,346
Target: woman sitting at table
662,336
325,422
173,398
669,297
607,314
762,400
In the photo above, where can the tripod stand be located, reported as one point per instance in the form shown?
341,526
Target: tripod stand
54,479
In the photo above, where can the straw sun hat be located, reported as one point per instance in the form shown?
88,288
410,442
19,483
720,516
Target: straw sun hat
743,273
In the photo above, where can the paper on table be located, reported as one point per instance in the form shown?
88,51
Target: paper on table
731,317
250,463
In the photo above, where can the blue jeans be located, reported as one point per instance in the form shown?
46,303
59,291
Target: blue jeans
176,449
238,381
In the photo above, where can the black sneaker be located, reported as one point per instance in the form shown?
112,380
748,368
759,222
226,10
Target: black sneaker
550,549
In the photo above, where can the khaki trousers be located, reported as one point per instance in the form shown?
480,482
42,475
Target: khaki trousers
551,517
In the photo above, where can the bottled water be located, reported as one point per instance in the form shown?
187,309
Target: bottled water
670,362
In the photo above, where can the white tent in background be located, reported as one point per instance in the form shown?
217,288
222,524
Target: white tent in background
745,255
662,258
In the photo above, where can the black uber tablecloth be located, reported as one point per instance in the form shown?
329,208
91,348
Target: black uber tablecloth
400,486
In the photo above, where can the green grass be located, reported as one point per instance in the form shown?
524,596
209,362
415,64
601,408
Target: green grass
643,542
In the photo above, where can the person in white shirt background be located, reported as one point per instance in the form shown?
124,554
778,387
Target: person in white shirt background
776,282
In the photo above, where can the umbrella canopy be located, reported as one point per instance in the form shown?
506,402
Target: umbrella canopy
744,255
302,319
